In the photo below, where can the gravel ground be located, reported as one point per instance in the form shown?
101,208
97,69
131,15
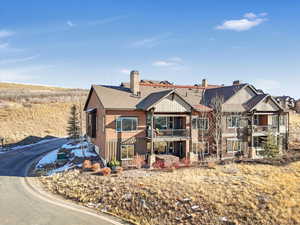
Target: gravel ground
229,194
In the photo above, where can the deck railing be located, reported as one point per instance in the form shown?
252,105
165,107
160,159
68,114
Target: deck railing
168,133
264,129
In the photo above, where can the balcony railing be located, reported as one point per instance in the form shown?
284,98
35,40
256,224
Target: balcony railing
264,129
168,133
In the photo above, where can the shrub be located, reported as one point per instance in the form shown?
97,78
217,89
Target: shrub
158,164
87,164
176,165
113,163
271,149
96,167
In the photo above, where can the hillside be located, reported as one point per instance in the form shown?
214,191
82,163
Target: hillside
31,112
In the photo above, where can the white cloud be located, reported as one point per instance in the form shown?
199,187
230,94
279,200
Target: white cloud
250,15
125,71
263,14
151,42
249,21
4,45
163,63
6,33
173,61
70,23
17,60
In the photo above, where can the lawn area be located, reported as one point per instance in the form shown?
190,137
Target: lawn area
228,194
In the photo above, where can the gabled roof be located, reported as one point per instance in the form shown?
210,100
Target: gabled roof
226,92
254,101
151,99
120,97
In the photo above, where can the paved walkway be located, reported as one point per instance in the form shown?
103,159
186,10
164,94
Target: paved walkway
19,206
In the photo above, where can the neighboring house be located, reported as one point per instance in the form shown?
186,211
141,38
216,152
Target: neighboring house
150,117
286,102
297,106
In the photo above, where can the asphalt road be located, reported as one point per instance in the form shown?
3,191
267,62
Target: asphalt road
18,206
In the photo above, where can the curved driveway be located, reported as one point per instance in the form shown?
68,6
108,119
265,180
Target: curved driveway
18,206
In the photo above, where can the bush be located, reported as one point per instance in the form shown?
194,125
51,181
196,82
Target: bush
113,163
271,148
158,164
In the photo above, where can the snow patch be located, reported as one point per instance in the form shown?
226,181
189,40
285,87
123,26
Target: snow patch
51,157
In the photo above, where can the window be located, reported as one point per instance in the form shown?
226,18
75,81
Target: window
203,123
92,124
194,123
127,152
126,124
234,121
234,145
275,121
200,123
282,120
160,122
256,120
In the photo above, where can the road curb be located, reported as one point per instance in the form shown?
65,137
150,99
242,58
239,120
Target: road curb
33,187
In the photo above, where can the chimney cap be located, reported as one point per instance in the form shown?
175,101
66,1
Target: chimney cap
236,82
204,83
134,72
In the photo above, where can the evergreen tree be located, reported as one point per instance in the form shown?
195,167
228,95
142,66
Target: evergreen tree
73,129
271,148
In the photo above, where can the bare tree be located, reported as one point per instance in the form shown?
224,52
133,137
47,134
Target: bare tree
217,106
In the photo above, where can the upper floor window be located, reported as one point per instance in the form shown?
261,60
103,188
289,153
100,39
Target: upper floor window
200,123
282,120
126,124
234,121
203,123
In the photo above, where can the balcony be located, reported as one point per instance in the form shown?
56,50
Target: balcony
168,134
264,129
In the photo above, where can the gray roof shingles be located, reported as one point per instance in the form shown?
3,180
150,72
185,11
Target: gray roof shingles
226,92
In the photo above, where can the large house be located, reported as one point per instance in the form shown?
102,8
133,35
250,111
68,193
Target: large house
202,121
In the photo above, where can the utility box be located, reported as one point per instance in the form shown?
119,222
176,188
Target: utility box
61,156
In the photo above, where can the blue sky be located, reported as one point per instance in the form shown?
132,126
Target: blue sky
77,43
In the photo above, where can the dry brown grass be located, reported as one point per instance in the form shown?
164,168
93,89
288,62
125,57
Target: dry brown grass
240,194
33,110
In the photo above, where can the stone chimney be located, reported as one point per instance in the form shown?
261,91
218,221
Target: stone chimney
236,82
204,83
135,82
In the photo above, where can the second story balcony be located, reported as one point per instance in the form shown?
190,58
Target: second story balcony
168,127
264,129
168,133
